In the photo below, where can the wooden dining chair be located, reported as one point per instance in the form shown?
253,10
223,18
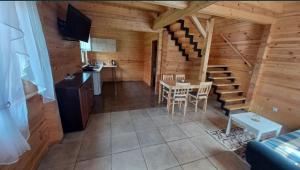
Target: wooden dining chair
167,77
179,96
165,93
179,77
201,94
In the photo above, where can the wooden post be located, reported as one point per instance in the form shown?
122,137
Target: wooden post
204,61
162,53
173,15
261,56
198,26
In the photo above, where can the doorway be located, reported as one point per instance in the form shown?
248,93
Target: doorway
153,62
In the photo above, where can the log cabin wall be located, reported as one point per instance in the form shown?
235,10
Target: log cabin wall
172,60
61,52
279,82
129,55
116,16
245,36
128,26
174,63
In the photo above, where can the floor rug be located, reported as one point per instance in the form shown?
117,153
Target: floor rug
235,141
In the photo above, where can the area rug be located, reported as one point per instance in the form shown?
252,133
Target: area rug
235,141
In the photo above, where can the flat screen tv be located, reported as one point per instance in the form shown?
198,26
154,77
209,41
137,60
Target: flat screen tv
76,27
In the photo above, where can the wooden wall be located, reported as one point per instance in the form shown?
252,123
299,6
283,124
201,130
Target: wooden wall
172,60
61,52
148,38
110,15
129,55
174,63
128,26
279,82
245,36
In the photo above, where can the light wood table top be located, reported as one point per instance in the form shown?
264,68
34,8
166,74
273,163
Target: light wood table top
172,83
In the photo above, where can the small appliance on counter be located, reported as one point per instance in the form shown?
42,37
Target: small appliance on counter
69,77
113,62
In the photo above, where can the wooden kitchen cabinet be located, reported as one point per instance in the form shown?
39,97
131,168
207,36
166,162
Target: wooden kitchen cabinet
75,101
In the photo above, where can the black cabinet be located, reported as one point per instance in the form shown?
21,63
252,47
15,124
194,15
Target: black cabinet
75,101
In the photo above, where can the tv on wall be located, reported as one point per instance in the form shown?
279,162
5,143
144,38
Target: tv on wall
76,27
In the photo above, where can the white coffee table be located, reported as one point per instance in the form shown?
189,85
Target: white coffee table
259,128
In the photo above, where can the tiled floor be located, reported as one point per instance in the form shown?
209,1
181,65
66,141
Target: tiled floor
144,139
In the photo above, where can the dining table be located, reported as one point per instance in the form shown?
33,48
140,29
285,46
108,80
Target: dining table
171,84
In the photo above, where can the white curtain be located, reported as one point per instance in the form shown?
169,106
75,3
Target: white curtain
23,56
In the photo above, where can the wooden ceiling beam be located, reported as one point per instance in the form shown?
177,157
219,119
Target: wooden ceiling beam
274,6
223,11
137,5
173,15
232,13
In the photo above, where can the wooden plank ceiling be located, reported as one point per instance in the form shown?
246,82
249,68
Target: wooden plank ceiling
173,15
148,16
257,12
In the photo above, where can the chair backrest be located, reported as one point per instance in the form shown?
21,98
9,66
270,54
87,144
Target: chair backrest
179,77
181,90
182,84
167,77
204,88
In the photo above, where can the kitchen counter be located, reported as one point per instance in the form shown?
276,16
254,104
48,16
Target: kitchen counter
98,69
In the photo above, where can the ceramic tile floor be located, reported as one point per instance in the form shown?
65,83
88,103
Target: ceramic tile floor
145,139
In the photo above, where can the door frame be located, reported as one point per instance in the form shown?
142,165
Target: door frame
154,43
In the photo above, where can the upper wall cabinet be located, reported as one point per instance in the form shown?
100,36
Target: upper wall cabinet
103,45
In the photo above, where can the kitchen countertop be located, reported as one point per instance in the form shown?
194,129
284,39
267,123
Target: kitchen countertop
101,67
76,82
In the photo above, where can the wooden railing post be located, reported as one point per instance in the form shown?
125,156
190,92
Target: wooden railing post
261,56
161,53
199,26
204,61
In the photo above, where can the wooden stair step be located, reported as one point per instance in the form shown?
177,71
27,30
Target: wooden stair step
222,78
233,98
179,33
189,50
217,66
187,44
226,84
221,71
197,39
183,39
229,91
236,106
175,27
192,54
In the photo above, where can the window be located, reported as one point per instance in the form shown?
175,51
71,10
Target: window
85,47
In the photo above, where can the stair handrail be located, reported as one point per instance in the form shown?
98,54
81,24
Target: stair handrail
198,25
235,50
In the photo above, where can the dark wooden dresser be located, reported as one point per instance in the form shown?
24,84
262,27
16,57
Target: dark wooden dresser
75,101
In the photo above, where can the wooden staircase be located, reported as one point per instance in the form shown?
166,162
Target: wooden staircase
226,88
187,42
